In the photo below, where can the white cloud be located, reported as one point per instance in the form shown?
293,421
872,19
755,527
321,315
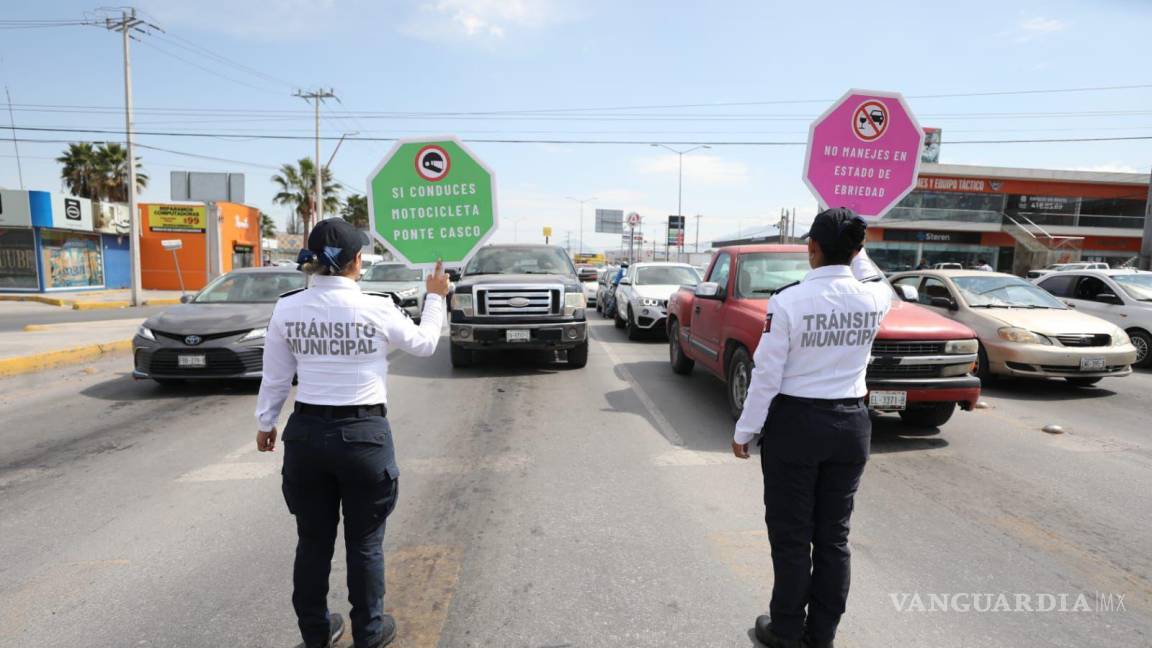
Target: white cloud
1038,27
699,169
479,20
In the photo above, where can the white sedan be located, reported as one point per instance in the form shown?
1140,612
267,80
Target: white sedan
642,296
1123,297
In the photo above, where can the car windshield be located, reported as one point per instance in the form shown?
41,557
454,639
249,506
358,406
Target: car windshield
764,273
1004,292
666,275
527,260
392,273
250,287
1138,286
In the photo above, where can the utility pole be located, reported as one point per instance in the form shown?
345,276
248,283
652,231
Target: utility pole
697,233
317,97
15,145
581,201
126,24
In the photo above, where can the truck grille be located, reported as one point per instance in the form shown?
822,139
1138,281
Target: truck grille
886,347
519,301
887,354
1085,340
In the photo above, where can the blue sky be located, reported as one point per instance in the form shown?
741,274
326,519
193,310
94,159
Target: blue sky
459,56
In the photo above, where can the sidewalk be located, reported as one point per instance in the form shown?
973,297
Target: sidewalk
94,299
43,346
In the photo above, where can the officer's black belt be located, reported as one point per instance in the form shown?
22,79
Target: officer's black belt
341,411
824,402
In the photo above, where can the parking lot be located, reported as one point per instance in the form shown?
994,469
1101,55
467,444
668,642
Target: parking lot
543,506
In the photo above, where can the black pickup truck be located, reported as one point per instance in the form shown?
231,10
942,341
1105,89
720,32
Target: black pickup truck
519,297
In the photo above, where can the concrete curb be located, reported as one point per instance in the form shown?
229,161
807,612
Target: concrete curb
51,301
63,357
76,304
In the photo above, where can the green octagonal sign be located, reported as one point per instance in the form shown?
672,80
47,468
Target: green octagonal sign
430,199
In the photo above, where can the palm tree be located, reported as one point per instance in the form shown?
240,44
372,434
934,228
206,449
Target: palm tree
297,183
267,226
113,168
80,170
355,210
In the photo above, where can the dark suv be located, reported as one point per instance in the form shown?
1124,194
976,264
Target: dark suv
519,297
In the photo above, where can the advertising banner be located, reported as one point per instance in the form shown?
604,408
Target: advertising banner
71,213
71,260
112,218
610,221
176,218
18,260
14,209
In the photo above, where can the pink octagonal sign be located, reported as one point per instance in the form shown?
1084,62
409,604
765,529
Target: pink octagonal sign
864,153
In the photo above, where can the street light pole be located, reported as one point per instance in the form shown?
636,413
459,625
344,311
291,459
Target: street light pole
581,201
680,176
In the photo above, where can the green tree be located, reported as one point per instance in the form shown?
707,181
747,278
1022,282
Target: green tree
267,226
297,183
355,210
99,172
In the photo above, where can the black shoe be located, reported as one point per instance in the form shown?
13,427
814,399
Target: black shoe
335,632
389,634
766,636
809,642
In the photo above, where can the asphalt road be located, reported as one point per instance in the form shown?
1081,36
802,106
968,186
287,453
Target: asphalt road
14,316
546,507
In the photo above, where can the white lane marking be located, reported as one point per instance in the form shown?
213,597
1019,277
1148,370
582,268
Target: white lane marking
500,463
684,457
663,426
241,451
231,472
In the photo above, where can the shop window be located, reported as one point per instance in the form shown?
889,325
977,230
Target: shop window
18,260
71,259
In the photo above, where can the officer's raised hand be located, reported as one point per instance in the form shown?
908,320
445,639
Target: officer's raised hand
437,282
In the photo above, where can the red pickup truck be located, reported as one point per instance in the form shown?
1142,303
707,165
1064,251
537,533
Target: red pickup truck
921,363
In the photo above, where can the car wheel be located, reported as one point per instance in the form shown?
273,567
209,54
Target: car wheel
681,363
928,416
739,378
1083,382
983,367
461,357
1141,340
578,356
634,331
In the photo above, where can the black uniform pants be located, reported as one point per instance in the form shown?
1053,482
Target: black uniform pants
329,463
812,455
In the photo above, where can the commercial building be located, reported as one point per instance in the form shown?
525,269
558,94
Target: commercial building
1014,219
239,243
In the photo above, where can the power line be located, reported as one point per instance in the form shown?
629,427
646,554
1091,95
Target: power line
204,68
258,136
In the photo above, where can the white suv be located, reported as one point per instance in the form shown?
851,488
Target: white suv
1123,297
642,296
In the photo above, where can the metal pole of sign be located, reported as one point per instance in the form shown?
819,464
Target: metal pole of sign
1145,260
179,275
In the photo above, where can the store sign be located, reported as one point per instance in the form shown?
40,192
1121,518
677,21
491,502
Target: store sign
925,236
176,218
610,221
971,185
70,212
112,218
71,260
14,209
18,258
1044,204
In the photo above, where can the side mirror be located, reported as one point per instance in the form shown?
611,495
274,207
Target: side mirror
453,275
708,290
1109,298
908,293
184,299
943,302
625,281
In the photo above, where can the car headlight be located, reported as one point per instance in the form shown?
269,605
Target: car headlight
574,301
1022,336
961,346
1120,338
650,302
407,292
145,333
254,334
463,303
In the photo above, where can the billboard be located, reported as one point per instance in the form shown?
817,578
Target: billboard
176,218
14,209
610,221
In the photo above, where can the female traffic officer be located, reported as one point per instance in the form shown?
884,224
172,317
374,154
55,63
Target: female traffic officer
338,444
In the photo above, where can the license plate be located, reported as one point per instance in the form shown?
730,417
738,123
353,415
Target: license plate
519,336
888,400
191,361
1091,364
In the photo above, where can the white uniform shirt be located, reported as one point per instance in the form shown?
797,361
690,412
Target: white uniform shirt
817,339
336,339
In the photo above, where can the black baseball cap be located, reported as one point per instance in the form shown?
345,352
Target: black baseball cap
335,242
830,224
